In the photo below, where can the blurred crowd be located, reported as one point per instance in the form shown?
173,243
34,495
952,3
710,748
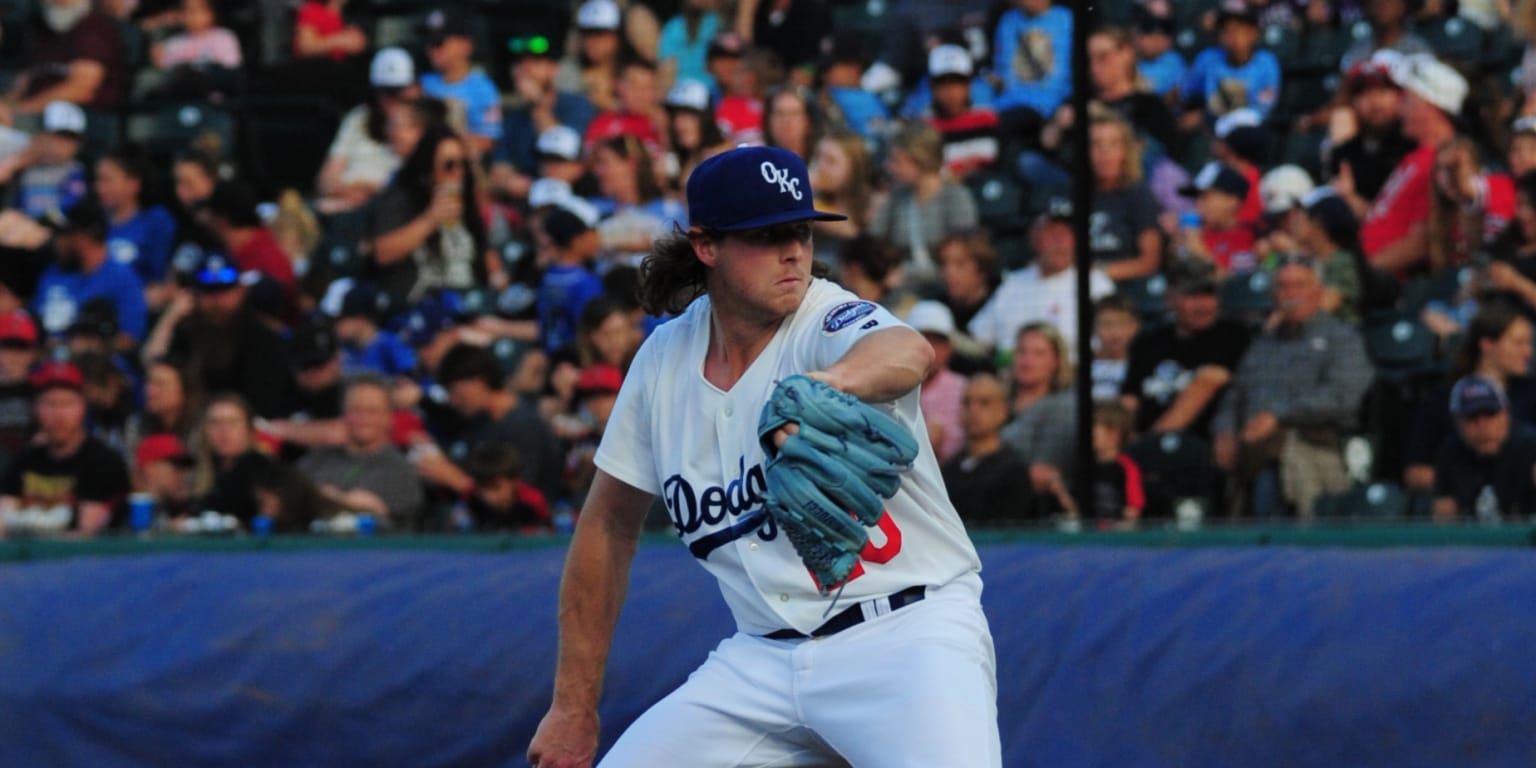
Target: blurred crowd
408,302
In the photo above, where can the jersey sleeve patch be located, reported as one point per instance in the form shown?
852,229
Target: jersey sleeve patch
846,315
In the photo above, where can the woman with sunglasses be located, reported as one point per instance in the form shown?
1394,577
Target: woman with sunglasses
360,161
429,232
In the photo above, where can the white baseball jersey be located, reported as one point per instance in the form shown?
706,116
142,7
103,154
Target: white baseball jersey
675,434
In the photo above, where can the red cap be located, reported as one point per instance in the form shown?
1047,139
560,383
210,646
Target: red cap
56,374
599,378
161,447
17,325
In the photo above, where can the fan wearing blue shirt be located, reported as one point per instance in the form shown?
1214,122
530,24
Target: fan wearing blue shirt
451,48
1235,73
83,272
685,42
137,237
364,347
567,284
1032,57
1156,60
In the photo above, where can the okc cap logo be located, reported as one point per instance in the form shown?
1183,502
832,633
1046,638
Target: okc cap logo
776,175
725,194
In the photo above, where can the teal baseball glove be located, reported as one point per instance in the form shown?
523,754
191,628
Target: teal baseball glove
827,483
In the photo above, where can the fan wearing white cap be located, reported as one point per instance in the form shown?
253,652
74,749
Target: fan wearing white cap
360,161
692,133
943,388
600,48
49,174
970,133
1394,233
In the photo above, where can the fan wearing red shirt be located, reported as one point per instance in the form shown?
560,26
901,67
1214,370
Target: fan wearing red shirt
1242,142
1395,231
321,31
1222,239
230,212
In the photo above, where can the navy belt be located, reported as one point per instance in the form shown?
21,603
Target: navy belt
851,617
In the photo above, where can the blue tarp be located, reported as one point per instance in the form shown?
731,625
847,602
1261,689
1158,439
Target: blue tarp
1119,657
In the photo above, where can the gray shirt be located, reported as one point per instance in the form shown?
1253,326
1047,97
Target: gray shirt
1311,375
384,473
1046,433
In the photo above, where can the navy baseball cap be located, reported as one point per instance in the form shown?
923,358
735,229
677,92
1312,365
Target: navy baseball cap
750,188
1476,396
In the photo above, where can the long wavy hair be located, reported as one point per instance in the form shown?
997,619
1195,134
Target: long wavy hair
416,180
672,276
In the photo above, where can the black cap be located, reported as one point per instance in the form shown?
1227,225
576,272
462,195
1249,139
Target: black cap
443,23
235,202
1191,276
364,300
563,227
85,216
725,44
97,317
1332,214
314,344
1236,10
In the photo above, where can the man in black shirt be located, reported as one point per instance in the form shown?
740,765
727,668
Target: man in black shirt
1176,373
69,480
1485,469
988,481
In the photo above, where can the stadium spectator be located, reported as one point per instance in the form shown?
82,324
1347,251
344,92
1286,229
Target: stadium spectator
48,174
1032,57
1234,73
971,132
792,120
1365,137
1395,231
1221,239
871,269
685,41
289,500
607,335
170,406
1497,347
1326,231
1470,207
923,206
634,209
201,42
360,161
18,353
568,283
161,469
71,52
539,108
692,133
1484,471
598,52
365,347
1390,30
1117,86
109,395
195,175
943,389
844,103
1114,326
366,474
314,409
218,338
1045,290
1291,399
231,214
1176,373
987,481
1157,61
454,78
1513,268
740,112
139,236
493,414
502,501
229,459
840,179
971,272
83,271
428,233
796,31
1118,495
1242,143
1123,234
320,31
1044,427
637,108
66,479
595,391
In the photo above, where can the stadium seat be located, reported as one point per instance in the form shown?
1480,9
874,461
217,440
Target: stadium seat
1285,43
1248,297
999,200
103,132
1013,250
1400,347
1319,50
1147,297
1176,469
1442,287
1455,40
1304,149
165,130
1373,500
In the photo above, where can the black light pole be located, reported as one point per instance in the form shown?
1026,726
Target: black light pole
1082,207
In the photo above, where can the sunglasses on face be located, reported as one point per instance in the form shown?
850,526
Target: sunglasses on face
452,164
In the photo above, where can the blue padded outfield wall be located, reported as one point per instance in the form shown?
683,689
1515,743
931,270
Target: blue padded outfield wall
1108,656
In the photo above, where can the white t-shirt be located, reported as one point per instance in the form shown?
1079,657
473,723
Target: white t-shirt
674,434
368,161
1026,297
